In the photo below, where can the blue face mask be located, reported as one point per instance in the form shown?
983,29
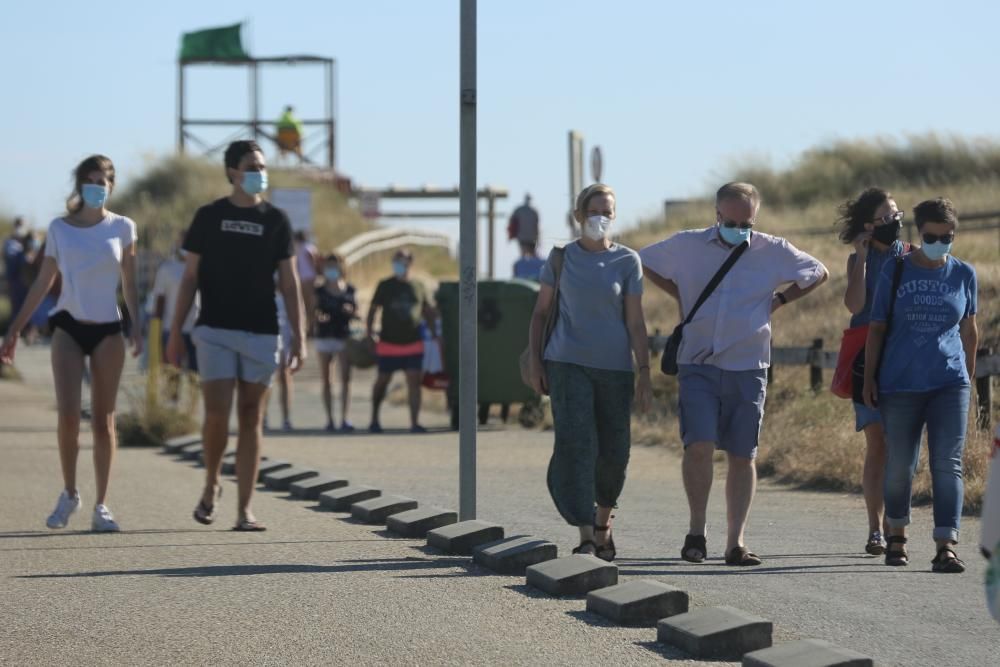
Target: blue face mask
254,182
399,268
734,235
936,251
332,275
94,196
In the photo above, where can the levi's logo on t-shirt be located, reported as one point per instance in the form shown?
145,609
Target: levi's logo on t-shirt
243,227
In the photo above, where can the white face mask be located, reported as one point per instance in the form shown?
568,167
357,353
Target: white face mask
596,228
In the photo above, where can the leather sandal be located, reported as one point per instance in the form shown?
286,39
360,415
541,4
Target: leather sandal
743,557
583,545
947,561
896,557
697,544
204,513
607,550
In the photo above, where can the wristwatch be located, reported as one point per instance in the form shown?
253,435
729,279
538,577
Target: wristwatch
782,298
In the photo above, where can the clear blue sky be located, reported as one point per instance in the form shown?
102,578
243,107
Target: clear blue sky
674,92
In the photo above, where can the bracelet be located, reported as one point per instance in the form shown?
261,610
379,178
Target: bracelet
782,298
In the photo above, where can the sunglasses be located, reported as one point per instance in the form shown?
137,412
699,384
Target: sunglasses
934,238
890,218
733,225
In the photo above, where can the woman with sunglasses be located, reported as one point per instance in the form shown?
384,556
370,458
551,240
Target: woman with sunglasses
871,223
920,357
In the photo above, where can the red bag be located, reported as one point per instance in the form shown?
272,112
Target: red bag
850,345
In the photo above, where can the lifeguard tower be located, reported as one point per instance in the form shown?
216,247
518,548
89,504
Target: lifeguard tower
223,47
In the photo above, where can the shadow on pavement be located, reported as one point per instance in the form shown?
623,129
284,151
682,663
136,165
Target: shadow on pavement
77,533
532,592
375,565
190,544
670,652
591,619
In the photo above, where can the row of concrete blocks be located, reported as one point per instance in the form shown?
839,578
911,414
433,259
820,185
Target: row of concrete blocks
721,633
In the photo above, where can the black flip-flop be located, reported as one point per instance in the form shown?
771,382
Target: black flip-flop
697,544
579,549
246,526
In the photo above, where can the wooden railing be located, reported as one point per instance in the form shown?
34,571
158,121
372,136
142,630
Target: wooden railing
818,359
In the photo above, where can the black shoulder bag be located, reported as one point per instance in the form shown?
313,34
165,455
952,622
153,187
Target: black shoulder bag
858,367
668,364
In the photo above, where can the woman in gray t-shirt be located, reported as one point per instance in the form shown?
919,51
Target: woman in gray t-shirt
587,368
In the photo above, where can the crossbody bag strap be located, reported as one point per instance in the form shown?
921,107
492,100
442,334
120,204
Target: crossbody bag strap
716,279
897,278
558,259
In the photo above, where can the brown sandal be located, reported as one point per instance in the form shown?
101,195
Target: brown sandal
607,550
947,561
896,557
743,557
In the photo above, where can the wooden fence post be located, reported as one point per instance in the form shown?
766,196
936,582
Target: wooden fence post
816,365
984,391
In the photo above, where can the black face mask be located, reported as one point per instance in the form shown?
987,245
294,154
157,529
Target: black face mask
887,234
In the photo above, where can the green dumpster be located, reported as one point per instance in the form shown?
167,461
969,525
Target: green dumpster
504,313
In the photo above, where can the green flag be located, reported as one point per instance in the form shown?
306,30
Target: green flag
213,44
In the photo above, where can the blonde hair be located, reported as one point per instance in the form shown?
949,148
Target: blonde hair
591,191
736,190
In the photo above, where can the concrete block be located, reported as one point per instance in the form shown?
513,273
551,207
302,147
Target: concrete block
806,653
722,633
377,510
514,554
340,500
640,603
461,538
269,466
173,445
416,523
311,487
572,575
280,480
190,452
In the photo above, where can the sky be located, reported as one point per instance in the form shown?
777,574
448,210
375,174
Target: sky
674,93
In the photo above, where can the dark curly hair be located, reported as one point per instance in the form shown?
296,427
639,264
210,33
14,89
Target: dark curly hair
856,213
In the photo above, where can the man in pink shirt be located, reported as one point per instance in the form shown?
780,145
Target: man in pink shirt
726,350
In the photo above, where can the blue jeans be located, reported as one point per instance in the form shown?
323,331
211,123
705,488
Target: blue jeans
945,413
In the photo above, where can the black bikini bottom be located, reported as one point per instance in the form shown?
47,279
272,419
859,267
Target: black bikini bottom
87,336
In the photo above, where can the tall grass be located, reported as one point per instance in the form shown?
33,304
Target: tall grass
809,438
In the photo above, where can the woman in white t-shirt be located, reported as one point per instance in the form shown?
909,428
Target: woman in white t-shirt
91,248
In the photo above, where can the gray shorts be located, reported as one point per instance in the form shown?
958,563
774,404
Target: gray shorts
722,407
228,354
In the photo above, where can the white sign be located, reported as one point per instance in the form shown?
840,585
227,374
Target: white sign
297,203
368,202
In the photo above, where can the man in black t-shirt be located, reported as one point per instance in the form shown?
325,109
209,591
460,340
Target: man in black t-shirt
234,246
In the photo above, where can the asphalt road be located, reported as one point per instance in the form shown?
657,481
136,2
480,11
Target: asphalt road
317,588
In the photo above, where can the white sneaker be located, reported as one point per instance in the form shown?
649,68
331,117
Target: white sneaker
65,506
103,521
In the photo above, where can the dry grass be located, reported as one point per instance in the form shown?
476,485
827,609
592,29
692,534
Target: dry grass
151,424
809,438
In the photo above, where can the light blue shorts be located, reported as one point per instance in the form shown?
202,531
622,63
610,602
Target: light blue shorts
228,354
723,407
863,416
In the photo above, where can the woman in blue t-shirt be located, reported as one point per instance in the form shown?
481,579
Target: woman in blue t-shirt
922,376
587,367
336,307
871,223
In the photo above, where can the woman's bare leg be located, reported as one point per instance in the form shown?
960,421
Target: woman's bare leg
67,374
106,364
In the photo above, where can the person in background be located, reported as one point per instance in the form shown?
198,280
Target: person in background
529,266
13,262
587,368
284,371
289,133
93,250
404,305
166,286
726,349
918,372
523,224
234,246
309,264
336,308
871,224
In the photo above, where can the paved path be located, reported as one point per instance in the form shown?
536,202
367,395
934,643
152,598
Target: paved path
319,589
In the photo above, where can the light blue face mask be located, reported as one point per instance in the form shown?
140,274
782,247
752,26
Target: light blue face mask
936,251
734,235
332,275
399,268
254,182
94,196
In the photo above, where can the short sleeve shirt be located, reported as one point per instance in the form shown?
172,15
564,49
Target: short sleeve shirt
402,303
240,248
923,351
590,328
875,261
732,329
89,261
336,312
